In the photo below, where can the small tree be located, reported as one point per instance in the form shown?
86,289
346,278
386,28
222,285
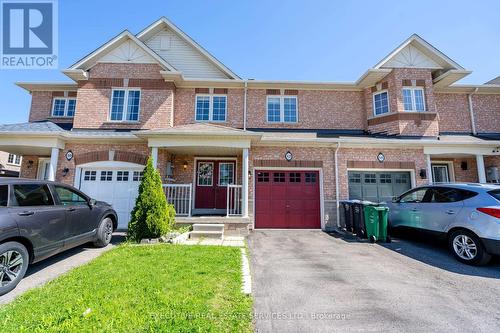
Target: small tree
152,216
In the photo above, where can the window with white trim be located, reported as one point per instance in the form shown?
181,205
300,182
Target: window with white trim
211,107
63,107
14,159
282,109
125,105
381,102
413,99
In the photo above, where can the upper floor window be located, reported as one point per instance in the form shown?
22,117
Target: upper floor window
211,107
63,107
14,159
282,109
125,104
380,103
413,99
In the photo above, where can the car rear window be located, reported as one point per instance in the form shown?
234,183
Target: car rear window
4,195
32,195
495,194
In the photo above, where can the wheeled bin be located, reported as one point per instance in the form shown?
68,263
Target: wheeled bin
346,215
359,217
376,223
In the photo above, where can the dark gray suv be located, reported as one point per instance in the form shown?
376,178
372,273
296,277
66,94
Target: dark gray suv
40,218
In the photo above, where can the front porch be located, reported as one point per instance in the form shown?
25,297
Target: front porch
462,164
205,172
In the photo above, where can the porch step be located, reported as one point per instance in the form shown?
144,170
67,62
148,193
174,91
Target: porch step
206,234
208,227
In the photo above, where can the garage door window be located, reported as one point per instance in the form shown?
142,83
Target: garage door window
385,178
370,178
263,177
106,176
89,175
310,177
294,177
279,177
355,178
137,177
122,176
401,179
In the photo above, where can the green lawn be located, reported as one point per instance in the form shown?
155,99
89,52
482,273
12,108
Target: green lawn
161,288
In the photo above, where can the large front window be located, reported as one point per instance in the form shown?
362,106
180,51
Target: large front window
282,109
63,107
211,108
380,103
413,99
125,105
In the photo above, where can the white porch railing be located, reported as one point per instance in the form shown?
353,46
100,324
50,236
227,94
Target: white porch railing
180,196
234,200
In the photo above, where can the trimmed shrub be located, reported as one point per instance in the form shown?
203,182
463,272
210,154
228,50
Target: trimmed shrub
152,216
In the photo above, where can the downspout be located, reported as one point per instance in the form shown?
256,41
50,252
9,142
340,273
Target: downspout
337,190
471,110
245,107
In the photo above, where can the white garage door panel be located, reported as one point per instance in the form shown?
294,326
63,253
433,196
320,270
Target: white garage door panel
118,187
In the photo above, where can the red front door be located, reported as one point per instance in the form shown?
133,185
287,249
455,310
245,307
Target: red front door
212,178
287,199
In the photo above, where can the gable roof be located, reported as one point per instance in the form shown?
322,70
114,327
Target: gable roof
163,22
417,52
91,59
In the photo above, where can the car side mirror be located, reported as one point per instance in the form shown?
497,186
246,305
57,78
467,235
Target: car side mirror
395,199
92,203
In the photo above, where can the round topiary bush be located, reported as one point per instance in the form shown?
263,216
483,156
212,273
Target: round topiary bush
152,216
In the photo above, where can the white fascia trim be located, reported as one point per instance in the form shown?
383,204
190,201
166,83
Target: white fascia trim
190,41
107,46
424,44
47,86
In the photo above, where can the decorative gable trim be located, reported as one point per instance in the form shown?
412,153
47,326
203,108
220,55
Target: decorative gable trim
417,53
93,58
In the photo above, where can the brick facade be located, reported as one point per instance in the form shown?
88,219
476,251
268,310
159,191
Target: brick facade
486,113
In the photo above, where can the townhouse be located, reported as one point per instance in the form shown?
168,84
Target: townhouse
263,154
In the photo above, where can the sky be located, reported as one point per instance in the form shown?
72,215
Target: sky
314,40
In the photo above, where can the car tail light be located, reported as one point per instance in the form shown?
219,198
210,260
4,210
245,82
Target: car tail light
490,211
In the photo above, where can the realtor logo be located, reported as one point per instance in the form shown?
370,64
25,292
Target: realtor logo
29,34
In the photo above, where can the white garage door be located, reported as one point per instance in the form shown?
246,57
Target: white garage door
116,186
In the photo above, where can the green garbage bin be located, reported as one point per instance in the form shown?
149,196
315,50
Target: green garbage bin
376,223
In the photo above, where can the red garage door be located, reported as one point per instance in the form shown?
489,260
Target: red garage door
287,199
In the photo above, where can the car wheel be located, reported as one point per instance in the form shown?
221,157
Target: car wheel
14,260
467,248
104,233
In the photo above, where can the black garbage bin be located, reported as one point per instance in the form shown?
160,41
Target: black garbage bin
358,217
347,209
342,213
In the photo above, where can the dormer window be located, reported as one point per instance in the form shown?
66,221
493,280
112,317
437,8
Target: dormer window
413,99
63,107
211,106
380,102
125,105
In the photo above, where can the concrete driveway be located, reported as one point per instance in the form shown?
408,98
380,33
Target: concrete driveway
44,271
310,281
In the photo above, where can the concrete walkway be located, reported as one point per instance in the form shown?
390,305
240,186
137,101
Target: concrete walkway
44,271
309,281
